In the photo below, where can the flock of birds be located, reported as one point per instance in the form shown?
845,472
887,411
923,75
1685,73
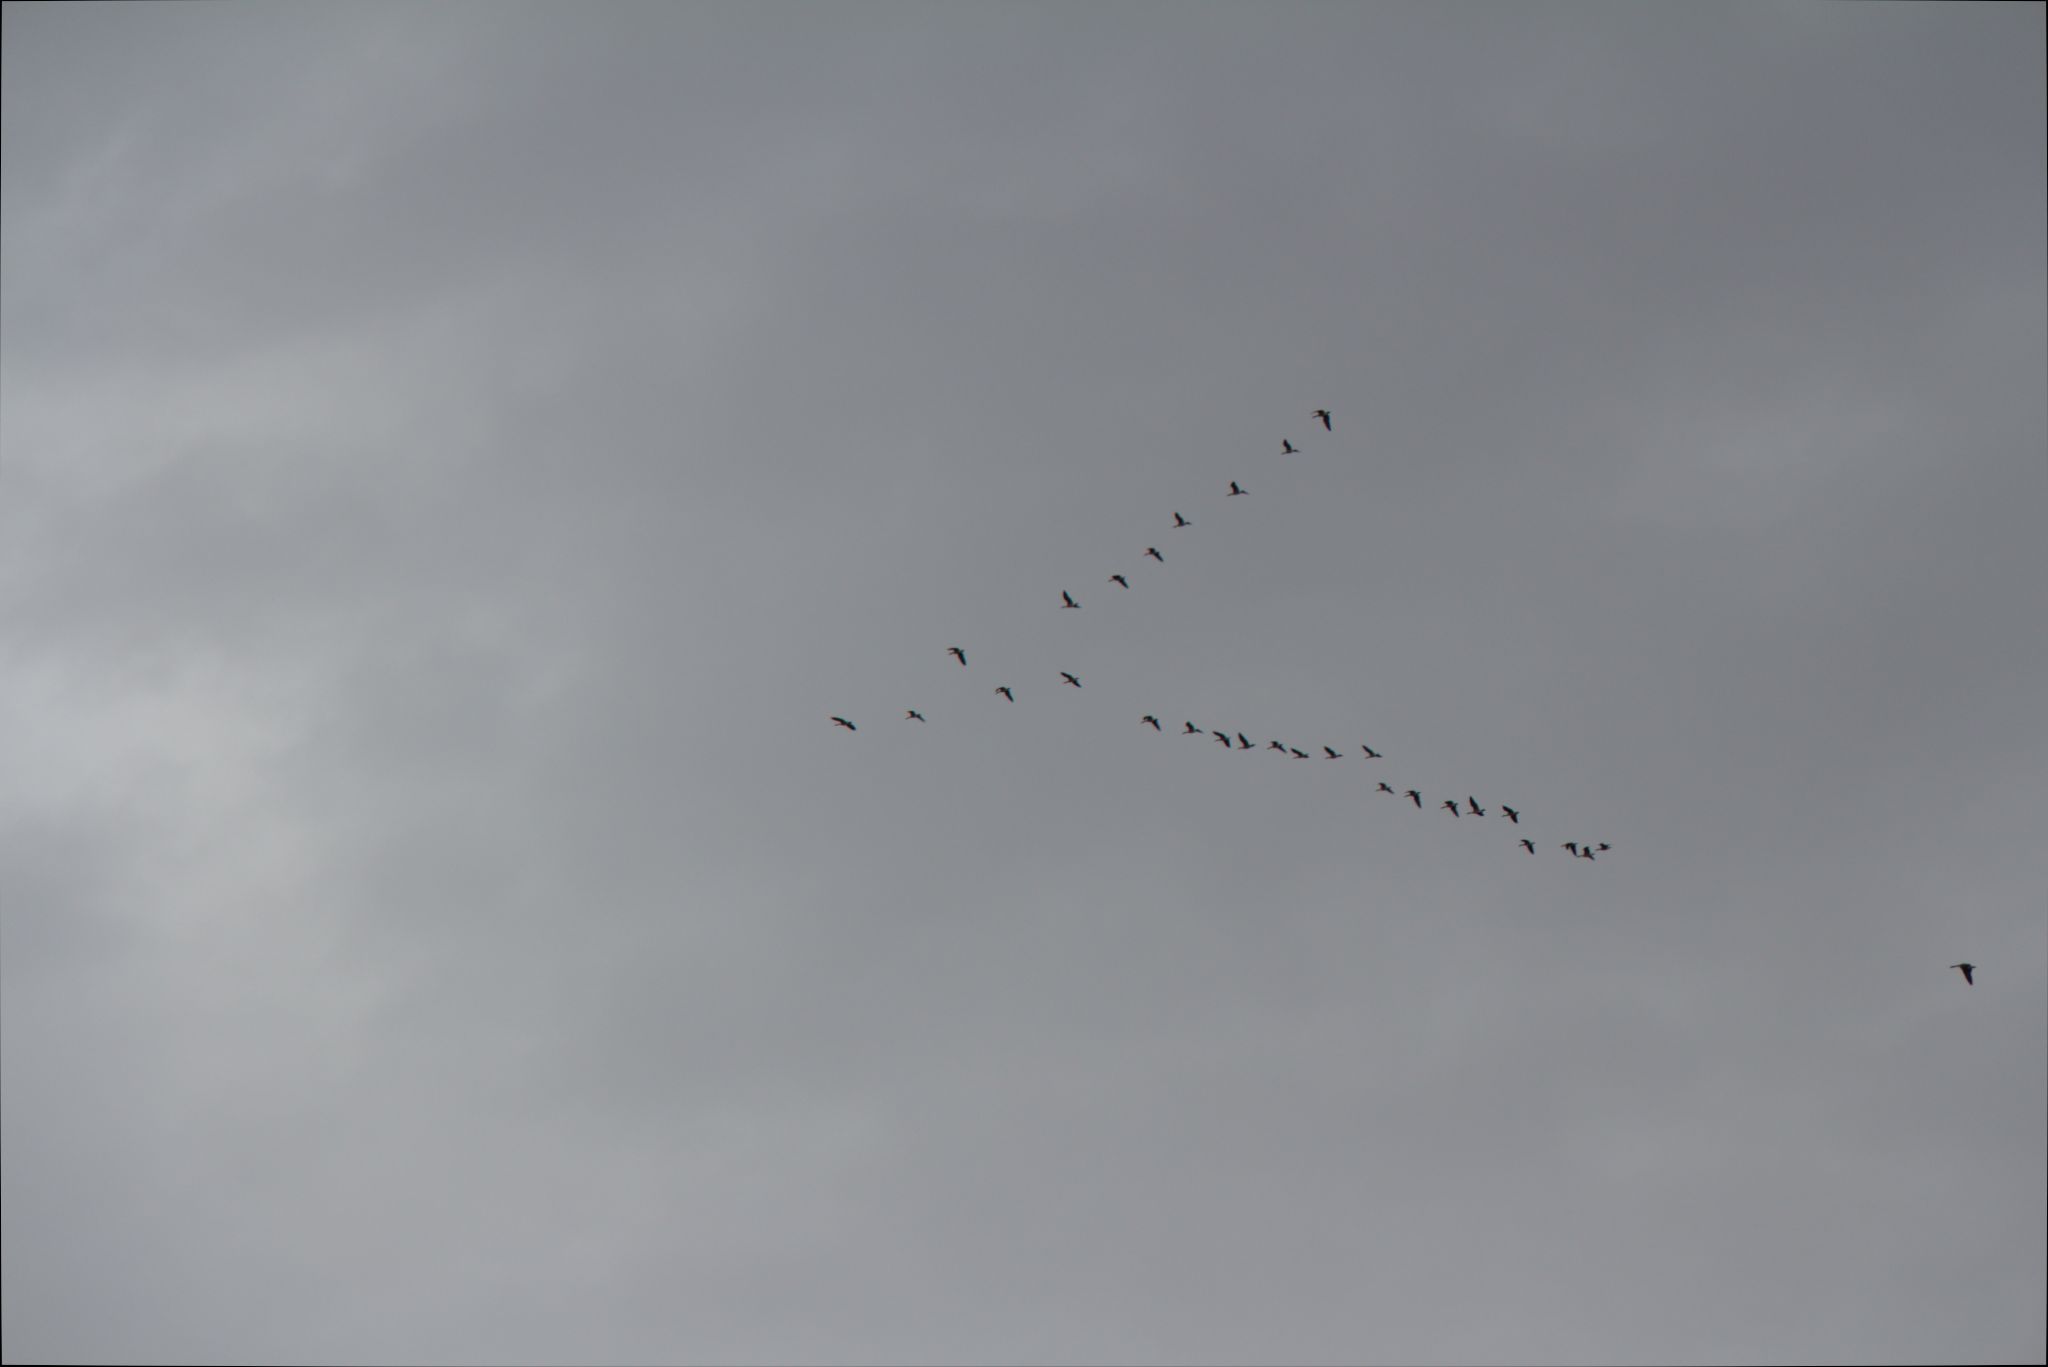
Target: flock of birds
1588,850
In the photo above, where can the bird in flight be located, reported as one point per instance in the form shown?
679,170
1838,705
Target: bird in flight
1067,600
1450,804
1236,492
1070,678
1242,743
1571,845
1152,722
1511,814
841,721
1298,754
1585,851
1221,739
1602,845
1324,415
1414,797
1370,753
1119,579
1005,691
1969,973
1276,745
1477,810
1180,521
1192,730
913,715
957,653
1385,789
1288,448
1153,551
1528,845
1331,753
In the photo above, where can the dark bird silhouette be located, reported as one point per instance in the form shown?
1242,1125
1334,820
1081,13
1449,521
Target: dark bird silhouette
1242,743
1070,678
1602,845
1119,579
1324,415
1236,492
1473,802
1585,851
1571,845
1528,845
1370,753
1331,753
958,654
1153,551
1298,754
841,721
1450,804
1221,739
1152,722
1276,745
1511,814
1192,730
1969,973
1180,521
1385,789
1414,797
1067,600
1005,691
913,715
1288,448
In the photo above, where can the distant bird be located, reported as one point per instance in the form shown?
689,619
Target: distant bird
1601,846
1067,600
1969,973
1070,678
841,721
1180,521
1331,753
1150,721
1528,845
1585,851
1242,743
1119,579
1450,804
1276,745
1298,754
1192,730
1370,753
1571,845
1005,691
1385,789
1511,814
913,716
1236,492
1414,797
1221,739
1288,448
1324,415
1153,551
1473,802
958,653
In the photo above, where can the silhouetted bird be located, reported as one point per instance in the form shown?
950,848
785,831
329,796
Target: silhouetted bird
841,721
1153,551
1324,414
1511,814
1192,730
1585,851
1601,846
1414,797
1370,753
1180,521
1005,691
1298,754
1385,789
1119,579
1450,804
1152,722
1331,753
1571,845
1070,678
1477,810
913,716
1221,739
1969,973
1236,492
1276,745
1528,845
1288,448
1242,743
1067,600
957,652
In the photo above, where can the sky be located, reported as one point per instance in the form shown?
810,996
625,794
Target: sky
456,459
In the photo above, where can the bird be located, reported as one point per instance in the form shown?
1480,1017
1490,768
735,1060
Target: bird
1119,579
1969,973
841,721
1601,846
1370,753
913,715
1414,797
1236,492
1324,415
1150,721
1511,814
1385,789
1528,845
1331,753
1276,745
1242,743
1221,739
1477,810
1067,600
1005,691
1153,551
1192,730
1180,521
1450,804
958,653
1585,851
1571,845
1298,754
1070,678
1288,448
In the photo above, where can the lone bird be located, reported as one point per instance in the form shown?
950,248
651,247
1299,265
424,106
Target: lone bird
1067,600
1236,492
913,715
1192,730
957,653
1450,804
1414,797
841,721
1152,722
1969,973
1323,414
1005,691
1242,743
1180,521
1473,802
1119,579
1385,789
1331,753
1070,678
1370,753
1571,845
1601,846
1221,739
1288,448
1276,745
1528,845
1511,814
1153,551
1298,754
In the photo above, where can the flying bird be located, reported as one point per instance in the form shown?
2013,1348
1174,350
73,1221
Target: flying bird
1571,845
1585,851
957,653
1331,753
1150,721
1192,730
1450,804
1477,810
1414,797
1511,814
841,721
1236,492
1969,973
1070,678
1242,743
1067,600
1324,415
1119,579
1298,754
1528,845
1288,448
1180,521
1601,846
1153,551
913,715
1385,789
1005,691
1276,745
1370,753
1221,739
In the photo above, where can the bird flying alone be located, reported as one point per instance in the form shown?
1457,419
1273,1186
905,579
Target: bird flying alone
1221,739
1477,810
1004,689
1235,491
1067,600
1969,973
1070,678
1414,797
1511,814
1331,753
1153,551
1152,722
1288,448
1450,804
1276,745
957,653
1242,743
1190,729
913,715
1571,845
1370,753
1385,789
1298,754
1180,521
841,721
1528,845
1119,579
1323,416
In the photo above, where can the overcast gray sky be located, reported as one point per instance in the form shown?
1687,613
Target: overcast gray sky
457,458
